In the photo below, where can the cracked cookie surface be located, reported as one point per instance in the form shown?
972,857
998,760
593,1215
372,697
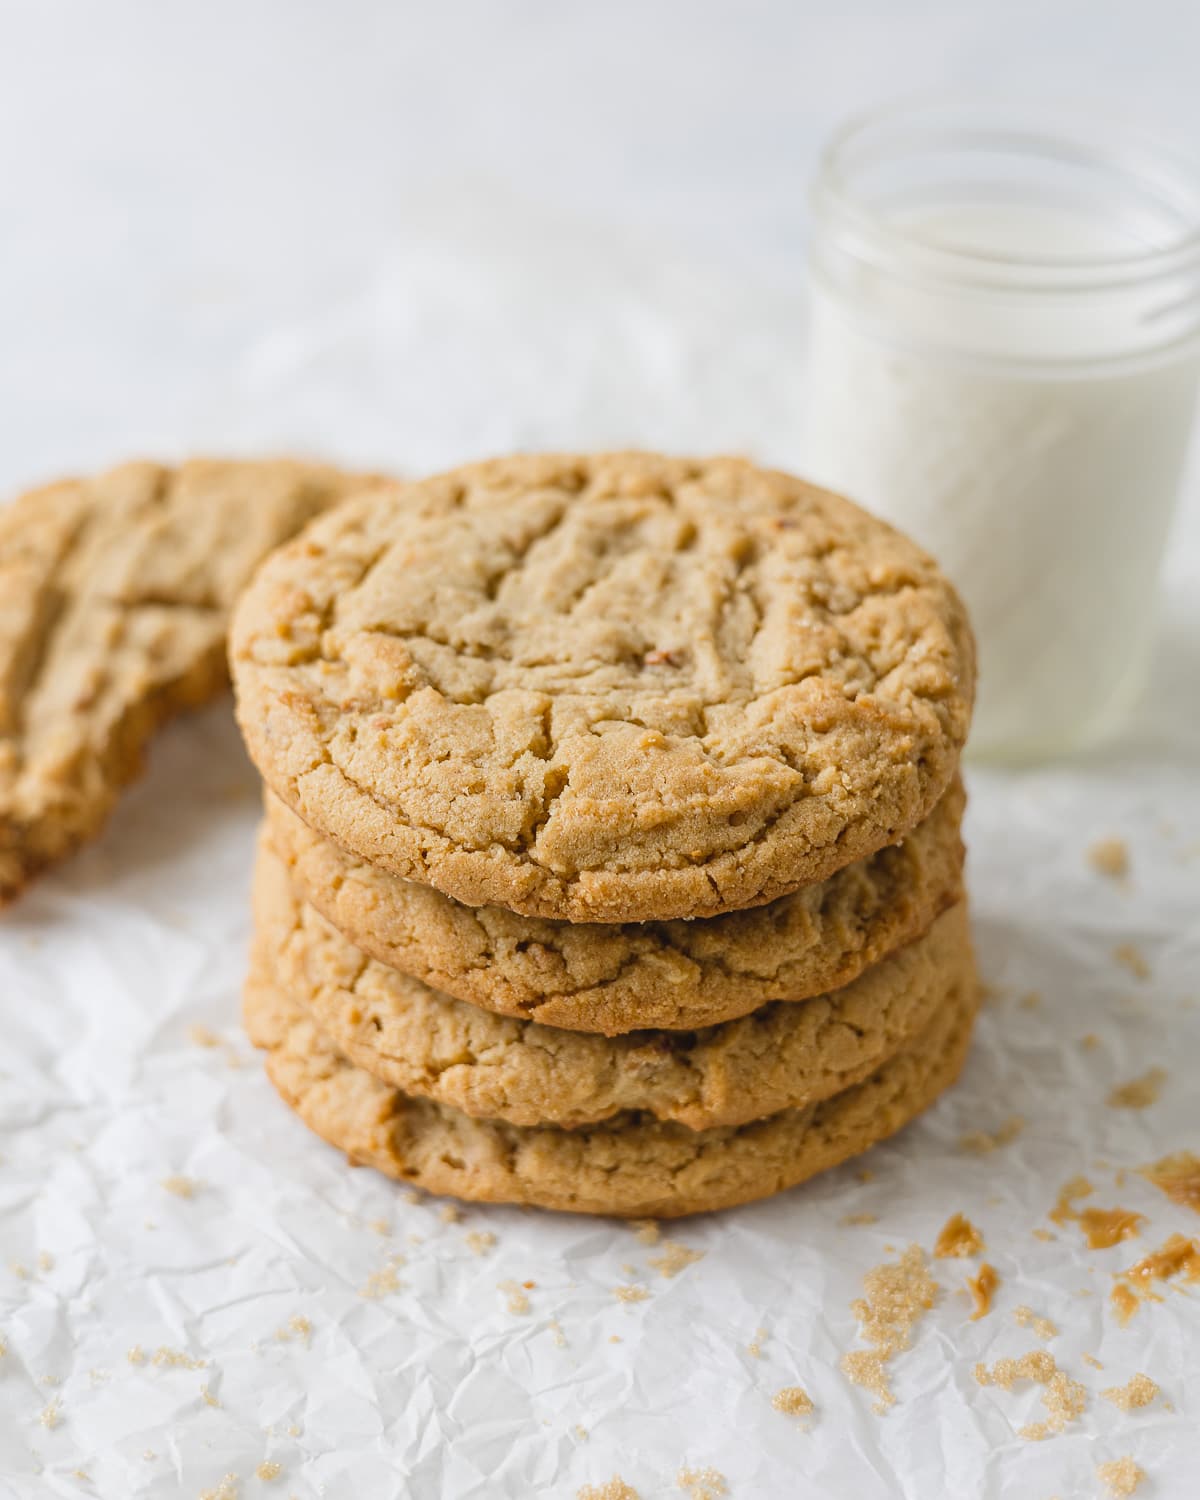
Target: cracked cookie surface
783,1056
625,977
605,689
632,1165
115,594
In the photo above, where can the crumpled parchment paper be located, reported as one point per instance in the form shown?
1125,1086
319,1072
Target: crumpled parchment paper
194,1287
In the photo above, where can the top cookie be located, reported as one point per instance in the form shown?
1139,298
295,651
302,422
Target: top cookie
605,689
115,595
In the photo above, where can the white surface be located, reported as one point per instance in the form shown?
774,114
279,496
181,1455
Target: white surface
405,235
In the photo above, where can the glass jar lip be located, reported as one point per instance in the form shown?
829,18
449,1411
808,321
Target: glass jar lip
1135,153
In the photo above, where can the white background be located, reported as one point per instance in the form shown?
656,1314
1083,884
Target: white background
401,235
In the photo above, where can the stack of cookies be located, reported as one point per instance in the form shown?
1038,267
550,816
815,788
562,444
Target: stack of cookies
611,858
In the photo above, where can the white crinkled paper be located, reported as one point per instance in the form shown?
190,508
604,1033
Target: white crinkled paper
352,1334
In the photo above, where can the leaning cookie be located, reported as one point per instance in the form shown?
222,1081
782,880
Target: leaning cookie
614,978
629,1166
784,1056
618,688
115,594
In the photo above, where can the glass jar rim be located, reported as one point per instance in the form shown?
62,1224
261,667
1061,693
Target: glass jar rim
1030,126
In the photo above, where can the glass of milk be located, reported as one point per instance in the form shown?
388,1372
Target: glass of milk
1005,354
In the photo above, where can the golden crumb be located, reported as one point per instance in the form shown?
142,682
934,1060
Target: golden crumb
176,1359
514,1298
865,1174
1089,1041
50,1416
380,1226
136,1355
1109,857
21,1272
959,1238
208,1396
1121,1476
450,1213
1178,1176
269,1470
897,1297
1136,1393
45,1261
1139,1093
702,1484
1131,957
1090,1359
793,1401
201,1036
582,1433
674,1258
982,1288
480,1241
848,1221
384,1282
181,1187
1043,1234
1025,1317
648,1231
560,1338
630,1293
227,1489
297,1326
612,1489
755,1347
981,1143
1063,1398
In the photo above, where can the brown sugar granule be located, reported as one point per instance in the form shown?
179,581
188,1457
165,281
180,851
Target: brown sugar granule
514,1298
1063,1398
702,1484
269,1470
959,1237
1178,1176
1131,957
1025,1317
630,1293
1135,1393
982,1288
1109,857
647,1230
897,1297
1139,1093
982,1143
612,1489
793,1401
1121,1476
480,1241
674,1258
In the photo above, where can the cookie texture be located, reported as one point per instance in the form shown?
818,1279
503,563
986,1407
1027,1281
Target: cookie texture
614,978
606,689
115,594
632,1165
422,1042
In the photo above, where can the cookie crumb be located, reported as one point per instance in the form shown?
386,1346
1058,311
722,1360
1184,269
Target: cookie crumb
959,1238
1043,1234
848,1221
227,1489
1025,1317
50,1416
647,1230
674,1258
630,1293
136,1355
384,1282
982,1143
176,1359
208,1397
380,1226
897,1296
581,1433
450,1213
702,1484
45,1261
612,1489
201,1036
1121,1477
1089,1041
755,1347
560,1338
1090,1359
1031,1000
982,1288
1139,1093
1109,857
514,1298
793,1401
480,1241
268,1470
1134,1394
1178,1176
297,1326
1063,1398
1131,957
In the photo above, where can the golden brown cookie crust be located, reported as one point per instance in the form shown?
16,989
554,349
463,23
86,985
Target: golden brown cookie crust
630,1166
625,977
614,688
424,1043
116,593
